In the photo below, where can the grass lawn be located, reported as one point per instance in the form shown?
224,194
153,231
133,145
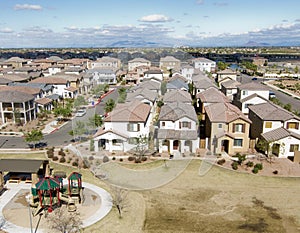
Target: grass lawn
23,155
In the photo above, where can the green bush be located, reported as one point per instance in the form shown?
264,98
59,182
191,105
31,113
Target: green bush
144,158
121,160
105,159
249,164
234,165
221,161
55,158
62,160
259,166
131,158
75,164
255,170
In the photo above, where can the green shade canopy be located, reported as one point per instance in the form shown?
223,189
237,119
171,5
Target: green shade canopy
74,176
47,183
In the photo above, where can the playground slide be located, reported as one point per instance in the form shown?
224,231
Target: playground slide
70,202
64,198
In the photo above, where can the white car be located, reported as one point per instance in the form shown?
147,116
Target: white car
80,113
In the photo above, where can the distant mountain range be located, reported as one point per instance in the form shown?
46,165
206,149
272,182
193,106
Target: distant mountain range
252,43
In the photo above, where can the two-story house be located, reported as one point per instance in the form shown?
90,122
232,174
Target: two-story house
177,130
226,129
227,73
105,62
123,127
204,64
153,74
177,84
229,88
201,82
136,62
250,94
103,76
177,96
187,71
276,125
16,106
169,63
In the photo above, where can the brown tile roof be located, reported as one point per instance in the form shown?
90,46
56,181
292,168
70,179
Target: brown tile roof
24,89
269,111
103,131
16,77
15,97
176,110
278,134
129,112
177,96
71,89
224,112
212,95
43,101
227,71
230,84
253,86
50,80
177,134
251,97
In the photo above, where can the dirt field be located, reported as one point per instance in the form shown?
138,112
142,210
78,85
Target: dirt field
219,201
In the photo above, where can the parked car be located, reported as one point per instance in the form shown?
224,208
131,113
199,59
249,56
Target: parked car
254,79
272,95
80,113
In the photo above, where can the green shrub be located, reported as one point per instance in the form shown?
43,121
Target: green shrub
249,164
255,170
131,158
234,165
105,159
259,166
144,158
55,158
121,160
221,161
75,164
62,160
114,158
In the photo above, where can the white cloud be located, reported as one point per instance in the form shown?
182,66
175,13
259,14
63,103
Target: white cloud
200,2
27,7
155,19
6,30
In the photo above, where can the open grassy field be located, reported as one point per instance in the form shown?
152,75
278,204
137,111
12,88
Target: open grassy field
219,201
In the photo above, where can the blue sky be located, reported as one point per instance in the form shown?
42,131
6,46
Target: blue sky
97,23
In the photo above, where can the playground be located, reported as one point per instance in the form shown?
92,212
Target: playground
25,206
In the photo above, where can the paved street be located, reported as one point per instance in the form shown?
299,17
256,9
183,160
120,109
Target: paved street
59,137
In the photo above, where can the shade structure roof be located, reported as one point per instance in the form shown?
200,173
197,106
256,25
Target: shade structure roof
47,183
20,165
74,176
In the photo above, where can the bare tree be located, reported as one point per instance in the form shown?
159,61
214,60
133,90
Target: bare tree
119,199
60,220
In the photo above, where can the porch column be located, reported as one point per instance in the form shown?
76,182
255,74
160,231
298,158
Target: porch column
110,145
181,146
96,145
160,145
171,146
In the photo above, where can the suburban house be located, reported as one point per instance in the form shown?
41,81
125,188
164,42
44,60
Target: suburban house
226,129
227,73
153,74
211,95
16,106
277,126
201,82
123,127
143,95
15,62
229,88
187,71
61,86
136,62
169,63
267,116
177,131
106,62
204,64
177,84
177,96
151,84
103,76
250,94
132,77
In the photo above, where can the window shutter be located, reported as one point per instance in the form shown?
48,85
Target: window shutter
243,128
233,128
179,125
138,127
189,125
297,125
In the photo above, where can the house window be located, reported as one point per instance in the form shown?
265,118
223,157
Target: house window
238,128
229,91
268,124
245,92
294,147
133,141
185,124
220,126
131,127
238,142
293,125
116,142
163,124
